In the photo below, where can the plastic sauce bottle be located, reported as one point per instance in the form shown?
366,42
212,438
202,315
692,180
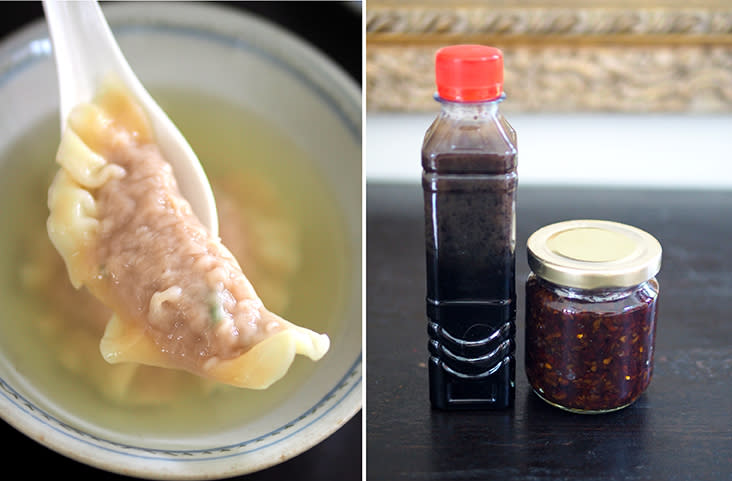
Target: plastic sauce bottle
469,181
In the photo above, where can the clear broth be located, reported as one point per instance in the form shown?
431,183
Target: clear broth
228,140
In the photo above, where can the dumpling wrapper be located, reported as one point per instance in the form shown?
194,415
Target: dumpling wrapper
182,305
268,360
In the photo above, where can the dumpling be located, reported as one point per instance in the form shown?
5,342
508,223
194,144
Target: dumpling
180,299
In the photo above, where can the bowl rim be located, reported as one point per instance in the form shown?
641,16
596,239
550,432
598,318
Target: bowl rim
30,44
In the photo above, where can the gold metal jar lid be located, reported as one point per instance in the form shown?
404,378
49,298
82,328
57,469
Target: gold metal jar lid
591,254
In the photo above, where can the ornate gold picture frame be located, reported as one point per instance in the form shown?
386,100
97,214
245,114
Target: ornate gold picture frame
562,56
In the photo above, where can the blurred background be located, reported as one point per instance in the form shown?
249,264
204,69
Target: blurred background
612,93
340,40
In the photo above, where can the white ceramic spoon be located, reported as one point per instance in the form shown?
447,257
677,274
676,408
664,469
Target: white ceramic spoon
86,53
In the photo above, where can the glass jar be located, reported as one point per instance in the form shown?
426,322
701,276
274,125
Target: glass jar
591,303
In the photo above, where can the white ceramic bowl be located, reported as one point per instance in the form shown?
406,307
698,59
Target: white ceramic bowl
267,71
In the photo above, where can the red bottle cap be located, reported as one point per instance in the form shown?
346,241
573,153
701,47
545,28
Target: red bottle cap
469,73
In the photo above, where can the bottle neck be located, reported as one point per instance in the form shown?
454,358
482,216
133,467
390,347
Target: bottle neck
477,110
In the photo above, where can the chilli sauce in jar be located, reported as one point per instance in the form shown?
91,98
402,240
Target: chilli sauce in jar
591,303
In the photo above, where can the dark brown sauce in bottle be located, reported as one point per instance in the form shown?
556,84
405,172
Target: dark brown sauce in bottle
469,182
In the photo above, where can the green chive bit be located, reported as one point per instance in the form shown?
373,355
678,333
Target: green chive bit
215,309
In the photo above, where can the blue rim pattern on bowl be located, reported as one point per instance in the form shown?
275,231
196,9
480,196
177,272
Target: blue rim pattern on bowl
38,49
32,53
348,383
354,129
41,48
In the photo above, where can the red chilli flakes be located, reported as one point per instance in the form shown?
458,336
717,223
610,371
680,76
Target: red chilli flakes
590,350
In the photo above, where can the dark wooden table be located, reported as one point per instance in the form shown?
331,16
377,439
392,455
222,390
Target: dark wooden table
680,429
335,29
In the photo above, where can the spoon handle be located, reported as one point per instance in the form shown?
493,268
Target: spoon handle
85,52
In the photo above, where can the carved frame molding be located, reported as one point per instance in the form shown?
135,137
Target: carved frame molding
559,59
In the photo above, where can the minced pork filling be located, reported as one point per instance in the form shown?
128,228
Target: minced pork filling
180,298
165,267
